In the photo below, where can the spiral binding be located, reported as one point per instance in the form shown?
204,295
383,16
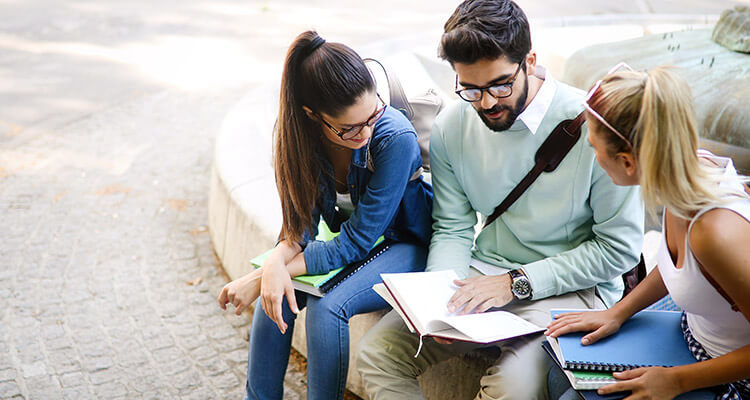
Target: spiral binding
360,266
600,367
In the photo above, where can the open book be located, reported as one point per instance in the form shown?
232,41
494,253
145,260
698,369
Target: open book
421,299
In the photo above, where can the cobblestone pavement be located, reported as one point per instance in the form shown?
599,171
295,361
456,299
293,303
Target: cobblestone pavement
108,281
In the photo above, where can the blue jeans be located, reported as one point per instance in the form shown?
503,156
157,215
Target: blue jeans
327,327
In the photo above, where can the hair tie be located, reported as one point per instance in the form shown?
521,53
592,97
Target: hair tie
316,42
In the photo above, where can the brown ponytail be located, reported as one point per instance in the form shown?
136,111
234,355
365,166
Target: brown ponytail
327,78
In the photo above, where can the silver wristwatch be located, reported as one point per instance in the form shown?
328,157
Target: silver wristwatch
520,285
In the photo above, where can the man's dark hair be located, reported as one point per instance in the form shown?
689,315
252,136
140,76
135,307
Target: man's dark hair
485,29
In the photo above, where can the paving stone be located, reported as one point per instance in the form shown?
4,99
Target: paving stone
72,380
186,382
59,343
97,363
213,366
8,374
32,370
65,356
201,393
9,389
94,349
159,342
163,356
110,390
129,359
226,380
191,343
237,356
204,352
77,393
230,344
43,387
104,376
74,366
175,367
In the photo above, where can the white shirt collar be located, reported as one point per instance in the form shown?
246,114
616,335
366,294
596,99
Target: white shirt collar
533,114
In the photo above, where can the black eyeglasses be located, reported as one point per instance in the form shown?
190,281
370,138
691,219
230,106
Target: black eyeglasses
499,91
354,130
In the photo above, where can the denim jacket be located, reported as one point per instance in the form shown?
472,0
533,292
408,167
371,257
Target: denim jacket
387,203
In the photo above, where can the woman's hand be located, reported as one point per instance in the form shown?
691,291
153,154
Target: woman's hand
645,383
277,283
241,292
602,323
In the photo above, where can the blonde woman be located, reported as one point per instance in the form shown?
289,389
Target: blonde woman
643,130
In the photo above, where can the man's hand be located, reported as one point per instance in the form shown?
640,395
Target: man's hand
481,293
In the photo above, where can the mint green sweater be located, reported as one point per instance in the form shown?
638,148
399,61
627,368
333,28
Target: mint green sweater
572,229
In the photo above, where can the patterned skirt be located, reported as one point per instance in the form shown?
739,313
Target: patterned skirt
732,391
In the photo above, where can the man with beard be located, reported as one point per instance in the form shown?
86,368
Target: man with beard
563,244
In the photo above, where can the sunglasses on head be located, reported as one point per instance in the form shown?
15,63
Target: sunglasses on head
598,116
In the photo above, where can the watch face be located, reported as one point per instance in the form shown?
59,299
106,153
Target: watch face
521,288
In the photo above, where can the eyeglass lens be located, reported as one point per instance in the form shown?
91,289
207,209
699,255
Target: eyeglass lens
355,130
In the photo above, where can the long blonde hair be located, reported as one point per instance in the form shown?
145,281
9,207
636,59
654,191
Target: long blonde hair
655,111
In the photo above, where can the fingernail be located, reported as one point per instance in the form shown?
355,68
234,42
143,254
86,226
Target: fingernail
546,333
585,341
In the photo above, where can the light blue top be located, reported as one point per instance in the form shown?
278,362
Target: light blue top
572,229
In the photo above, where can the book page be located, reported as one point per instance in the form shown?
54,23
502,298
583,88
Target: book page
491,326
381,290
422,296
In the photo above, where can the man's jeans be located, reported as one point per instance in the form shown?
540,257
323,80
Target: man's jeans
327,327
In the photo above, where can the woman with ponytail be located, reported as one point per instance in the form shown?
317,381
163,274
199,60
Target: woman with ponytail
342,154
644,132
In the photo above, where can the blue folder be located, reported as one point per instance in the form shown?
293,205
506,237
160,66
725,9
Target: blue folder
649,338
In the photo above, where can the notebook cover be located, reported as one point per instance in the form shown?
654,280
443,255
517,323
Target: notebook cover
316,281
649,338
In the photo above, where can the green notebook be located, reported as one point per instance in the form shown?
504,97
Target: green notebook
311,283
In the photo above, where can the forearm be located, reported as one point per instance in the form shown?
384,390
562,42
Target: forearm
284,252
590,263
297,265
731,367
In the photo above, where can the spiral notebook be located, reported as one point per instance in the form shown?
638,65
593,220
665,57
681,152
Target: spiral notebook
649,338
580,380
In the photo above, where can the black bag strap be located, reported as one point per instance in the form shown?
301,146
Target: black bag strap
547,158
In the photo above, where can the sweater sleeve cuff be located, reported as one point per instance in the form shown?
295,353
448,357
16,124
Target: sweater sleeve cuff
316,260
541,278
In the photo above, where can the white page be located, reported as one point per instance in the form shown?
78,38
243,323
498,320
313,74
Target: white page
423,296
492,326
381,290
